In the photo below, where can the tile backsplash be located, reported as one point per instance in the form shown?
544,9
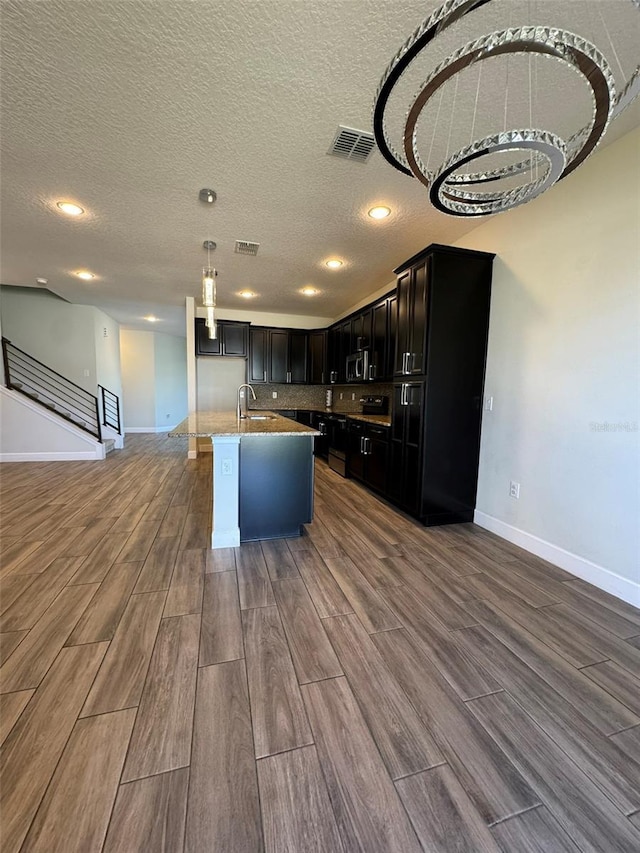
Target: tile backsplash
313,396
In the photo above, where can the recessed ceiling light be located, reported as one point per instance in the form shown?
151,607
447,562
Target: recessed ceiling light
379,212
85,274
151,319
334,263
247,294
70,208
309,291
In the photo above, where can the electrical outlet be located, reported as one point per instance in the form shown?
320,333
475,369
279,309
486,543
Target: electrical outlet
353,397
514,489
227,467
85,372
488,404
274,395
341,395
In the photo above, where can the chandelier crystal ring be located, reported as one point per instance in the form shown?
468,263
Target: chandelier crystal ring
550,157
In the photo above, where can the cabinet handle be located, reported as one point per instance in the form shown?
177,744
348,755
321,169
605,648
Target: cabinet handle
322,382
372,371
288,376
405,362
403,396
264,376
367,449
410,358
362,444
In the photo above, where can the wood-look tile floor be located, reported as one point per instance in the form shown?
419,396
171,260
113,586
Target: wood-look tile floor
371,686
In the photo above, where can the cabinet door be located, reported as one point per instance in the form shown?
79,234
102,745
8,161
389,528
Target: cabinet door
390,350
345,349
377,365
278,367
333,354
318,358
418,322
377,449
234,339
257,367
298,357
403,324
412,467
204,344
355,463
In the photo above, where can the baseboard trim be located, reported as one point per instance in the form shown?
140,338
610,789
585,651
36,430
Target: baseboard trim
603,578
57,456
150,429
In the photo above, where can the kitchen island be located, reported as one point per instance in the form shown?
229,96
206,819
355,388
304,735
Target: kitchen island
262,474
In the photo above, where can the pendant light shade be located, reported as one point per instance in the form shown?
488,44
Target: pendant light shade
209,288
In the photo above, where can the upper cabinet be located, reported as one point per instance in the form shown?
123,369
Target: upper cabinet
371,329
412,320
318,364
231,339
277,356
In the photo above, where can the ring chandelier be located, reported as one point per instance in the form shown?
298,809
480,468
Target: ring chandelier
550,158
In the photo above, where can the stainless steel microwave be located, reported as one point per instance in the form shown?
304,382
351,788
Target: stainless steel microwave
358,366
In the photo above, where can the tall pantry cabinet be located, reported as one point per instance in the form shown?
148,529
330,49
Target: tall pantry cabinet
441,345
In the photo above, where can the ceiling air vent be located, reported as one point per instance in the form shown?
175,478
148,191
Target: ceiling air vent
352,144
244,247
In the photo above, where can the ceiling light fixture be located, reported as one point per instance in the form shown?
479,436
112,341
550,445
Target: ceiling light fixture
379,212
538,158
247,294
85,274
334,264
151,319
70,208
309,291
207,196
209,291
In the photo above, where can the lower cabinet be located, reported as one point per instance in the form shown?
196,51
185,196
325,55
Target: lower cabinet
405,474
368,454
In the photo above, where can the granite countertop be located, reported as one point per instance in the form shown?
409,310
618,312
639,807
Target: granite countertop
379,420
203,424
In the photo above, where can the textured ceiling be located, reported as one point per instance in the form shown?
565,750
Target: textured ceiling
129,108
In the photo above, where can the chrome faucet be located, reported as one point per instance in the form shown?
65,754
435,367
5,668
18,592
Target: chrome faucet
241,410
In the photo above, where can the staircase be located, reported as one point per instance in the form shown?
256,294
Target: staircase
49,389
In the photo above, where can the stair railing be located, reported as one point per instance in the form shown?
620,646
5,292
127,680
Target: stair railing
39,382
110,409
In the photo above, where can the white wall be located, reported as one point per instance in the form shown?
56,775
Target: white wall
563,362
55,332
107,349
29,433
170,380
154,380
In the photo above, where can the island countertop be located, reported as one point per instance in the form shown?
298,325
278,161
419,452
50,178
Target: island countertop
212,424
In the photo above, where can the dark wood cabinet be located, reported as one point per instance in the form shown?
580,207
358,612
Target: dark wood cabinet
442,327
231,339
318,368
371,329
406,445
278,356
258,355
411,328
368,454
298,342
390,349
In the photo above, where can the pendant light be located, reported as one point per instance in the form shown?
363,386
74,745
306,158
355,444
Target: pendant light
209,292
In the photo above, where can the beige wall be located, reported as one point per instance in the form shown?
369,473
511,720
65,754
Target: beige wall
563,361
